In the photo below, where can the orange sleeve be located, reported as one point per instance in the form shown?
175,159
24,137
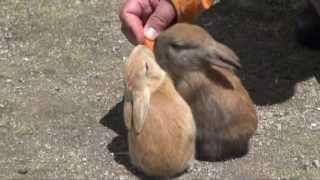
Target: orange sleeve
189,10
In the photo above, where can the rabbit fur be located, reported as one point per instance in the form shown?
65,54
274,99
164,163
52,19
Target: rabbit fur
203,73
161,128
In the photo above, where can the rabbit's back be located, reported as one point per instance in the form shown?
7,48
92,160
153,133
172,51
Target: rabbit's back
167,141
231,96
222,109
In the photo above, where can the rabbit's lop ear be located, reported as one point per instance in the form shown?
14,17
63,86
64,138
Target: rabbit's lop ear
141,103
221,55
127,111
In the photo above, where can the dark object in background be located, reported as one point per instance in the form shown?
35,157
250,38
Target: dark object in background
202,72
316,5
308,25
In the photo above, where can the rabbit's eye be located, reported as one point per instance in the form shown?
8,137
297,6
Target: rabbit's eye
182,45
147,67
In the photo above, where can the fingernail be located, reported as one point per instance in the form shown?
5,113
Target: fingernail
151,33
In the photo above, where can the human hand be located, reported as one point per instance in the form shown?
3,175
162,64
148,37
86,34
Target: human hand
146,18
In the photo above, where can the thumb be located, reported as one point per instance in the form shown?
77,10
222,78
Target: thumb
160,19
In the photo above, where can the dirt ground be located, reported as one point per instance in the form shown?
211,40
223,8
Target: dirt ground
61,90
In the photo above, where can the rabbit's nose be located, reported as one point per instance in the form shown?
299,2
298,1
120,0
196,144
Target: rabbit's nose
129,85
130,82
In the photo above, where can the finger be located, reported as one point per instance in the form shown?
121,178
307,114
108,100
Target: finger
129,35
148,6
135,27
162,17
132,25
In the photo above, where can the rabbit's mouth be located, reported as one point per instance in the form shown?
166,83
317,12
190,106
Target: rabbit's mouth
129,85
130,81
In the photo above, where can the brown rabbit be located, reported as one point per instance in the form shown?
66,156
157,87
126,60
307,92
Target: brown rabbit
202,70
161,127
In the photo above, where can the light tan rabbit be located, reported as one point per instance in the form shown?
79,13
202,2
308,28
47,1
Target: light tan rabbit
161,127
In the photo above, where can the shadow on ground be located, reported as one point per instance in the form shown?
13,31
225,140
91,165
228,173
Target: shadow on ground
272,59
119,145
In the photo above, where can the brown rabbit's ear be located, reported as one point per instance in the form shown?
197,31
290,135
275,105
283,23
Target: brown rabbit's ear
221,55
141,103
127,111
